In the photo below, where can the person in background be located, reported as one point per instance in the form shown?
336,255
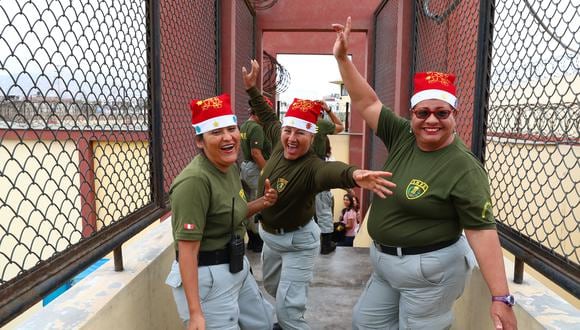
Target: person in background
210,278
420,258
256,150
324,199
291,237
348,217
356,207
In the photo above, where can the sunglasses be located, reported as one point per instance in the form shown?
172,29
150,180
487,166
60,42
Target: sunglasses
425,113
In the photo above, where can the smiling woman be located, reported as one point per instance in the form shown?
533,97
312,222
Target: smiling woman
291,237
211,275
442,192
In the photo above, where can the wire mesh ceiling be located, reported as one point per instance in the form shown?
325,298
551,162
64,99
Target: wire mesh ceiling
276,78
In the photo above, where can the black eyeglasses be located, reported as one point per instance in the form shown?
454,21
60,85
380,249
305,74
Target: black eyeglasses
425,113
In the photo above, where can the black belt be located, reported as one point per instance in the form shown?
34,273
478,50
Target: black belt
210,258
280,231
401,251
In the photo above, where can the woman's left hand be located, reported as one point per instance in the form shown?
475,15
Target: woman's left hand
503,316
270,194
375,181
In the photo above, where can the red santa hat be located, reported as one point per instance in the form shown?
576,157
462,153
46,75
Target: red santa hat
303,114
434,85
212,113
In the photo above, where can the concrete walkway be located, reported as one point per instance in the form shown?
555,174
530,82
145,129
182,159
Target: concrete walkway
338,281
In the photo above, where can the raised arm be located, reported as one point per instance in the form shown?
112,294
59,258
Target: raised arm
338,125
261,108
363,97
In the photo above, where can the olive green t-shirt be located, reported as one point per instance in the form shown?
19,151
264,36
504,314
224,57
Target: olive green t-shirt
297,181
323,128
438,193
201,204
252,136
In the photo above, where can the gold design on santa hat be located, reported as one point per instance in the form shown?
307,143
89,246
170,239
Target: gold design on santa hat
216,123
212,103
438,77
302,105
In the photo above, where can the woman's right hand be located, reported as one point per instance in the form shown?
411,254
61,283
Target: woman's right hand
251,78
196,322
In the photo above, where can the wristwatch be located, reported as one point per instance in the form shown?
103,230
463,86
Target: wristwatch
507,299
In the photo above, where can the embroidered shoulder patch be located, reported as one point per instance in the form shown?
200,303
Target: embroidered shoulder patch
416,189
189,226
281,184
243,195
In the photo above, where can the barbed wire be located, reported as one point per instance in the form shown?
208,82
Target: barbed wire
276,78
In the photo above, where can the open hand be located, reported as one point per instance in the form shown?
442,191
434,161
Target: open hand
340,49
374,181
270,194
251,78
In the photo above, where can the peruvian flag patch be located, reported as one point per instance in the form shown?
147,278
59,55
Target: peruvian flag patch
189,226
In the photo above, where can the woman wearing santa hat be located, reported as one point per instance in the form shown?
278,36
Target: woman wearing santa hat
420,258
291,237
211,280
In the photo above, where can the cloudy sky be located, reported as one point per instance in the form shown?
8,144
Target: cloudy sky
310,76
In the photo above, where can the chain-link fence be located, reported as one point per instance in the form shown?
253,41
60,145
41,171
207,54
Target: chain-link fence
245,51
74,131
518,83
384,70
82,167
189,69
533,135
73,124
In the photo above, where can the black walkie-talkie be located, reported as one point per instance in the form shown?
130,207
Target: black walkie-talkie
236,248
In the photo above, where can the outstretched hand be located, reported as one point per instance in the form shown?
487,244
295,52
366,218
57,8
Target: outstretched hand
270,194
251,78
374,181
340,49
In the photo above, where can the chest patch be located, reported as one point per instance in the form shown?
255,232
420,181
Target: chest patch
243,195
416,189
281,184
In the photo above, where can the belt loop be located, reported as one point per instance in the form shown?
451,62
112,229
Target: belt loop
399,252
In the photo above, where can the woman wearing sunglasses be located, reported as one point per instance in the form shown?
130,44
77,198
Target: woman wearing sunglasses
420,258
